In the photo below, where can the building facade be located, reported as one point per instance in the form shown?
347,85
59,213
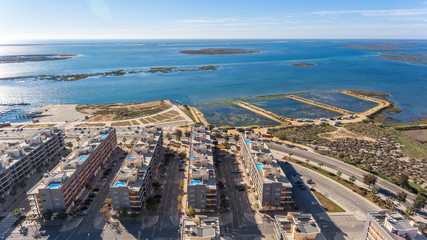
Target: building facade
201,185
66,182
133,179
384,225
268,181
20,161
296,226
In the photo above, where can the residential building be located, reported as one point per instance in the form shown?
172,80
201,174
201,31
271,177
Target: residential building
133,179
200,228
296,226
66,183
20,161
268,181
385,225
201,185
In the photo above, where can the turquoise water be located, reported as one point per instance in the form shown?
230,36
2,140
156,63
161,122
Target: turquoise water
132,156
193,155
259,166
119,184
239,76
194,182
81,159
54,185
104,135
294,109
340,100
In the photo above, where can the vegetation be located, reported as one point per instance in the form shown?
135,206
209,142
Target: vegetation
191,211
369,179
328,204
303,64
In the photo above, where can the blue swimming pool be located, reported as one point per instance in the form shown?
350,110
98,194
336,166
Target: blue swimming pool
193,155
259,166
54,185
36,135
104,135
194,182
132,156
81,159
144,134
193,133
119,184
248,142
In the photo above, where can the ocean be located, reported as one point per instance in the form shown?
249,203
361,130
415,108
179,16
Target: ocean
238,76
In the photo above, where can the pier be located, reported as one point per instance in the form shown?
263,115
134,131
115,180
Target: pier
7,111
321,105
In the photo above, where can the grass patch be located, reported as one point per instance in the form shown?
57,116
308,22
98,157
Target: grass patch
328,204
144,121
179,118
187,111
160,117
121,124
91,125
150,120
39,125
134,122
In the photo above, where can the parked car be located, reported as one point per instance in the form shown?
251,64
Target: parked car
313,203
82,213
220,185
241,189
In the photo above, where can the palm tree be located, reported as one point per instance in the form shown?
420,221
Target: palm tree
169,137
13,192
339,173
17,213
2,201
236,138
374,192
401,197
389,201
352,179
290,155
78,140
320,165
22,185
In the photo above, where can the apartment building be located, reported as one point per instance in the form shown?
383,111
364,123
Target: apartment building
268,181
200,228
201,185
20,161
384,225
66,182
296,226
133,179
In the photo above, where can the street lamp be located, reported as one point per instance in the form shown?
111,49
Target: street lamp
88,235
139,234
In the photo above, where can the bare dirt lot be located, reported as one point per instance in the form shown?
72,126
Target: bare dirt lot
342,132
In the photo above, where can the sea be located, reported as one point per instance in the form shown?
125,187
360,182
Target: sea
239,76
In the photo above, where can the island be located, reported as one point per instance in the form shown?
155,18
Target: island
412,58
303,64
374,47
218,51
34,58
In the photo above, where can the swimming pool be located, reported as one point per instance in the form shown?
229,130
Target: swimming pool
132,156
81,159
192,133
193,155
144,134
119,184
54,185
36,135
194,182
104,135
248,142
259,166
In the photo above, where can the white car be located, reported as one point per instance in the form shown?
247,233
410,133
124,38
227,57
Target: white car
313,203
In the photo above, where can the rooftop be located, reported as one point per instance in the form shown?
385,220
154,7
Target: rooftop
396,225
201,227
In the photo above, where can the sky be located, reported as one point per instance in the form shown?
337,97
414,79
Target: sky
24,20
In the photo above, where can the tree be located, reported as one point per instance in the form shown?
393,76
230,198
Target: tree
191,211
226,137
374,193
178,134
62,214
181,185
369,179
339,174
389,201
122,213
401,197
17,213
410,211
307,162
2,201
124,140
22,185
47,215
169,137
290,155
13,192
352,179
402,179
134,214
211,126
419,201
156,185
180,198
320,165
187,135
78,140
236,137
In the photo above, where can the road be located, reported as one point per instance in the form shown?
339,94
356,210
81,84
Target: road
388,188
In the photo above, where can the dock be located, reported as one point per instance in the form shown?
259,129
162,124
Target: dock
261,111
321,105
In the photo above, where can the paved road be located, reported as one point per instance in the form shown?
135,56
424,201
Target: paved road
347,169
164,229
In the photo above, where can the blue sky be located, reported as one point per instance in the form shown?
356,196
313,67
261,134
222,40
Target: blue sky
142,19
